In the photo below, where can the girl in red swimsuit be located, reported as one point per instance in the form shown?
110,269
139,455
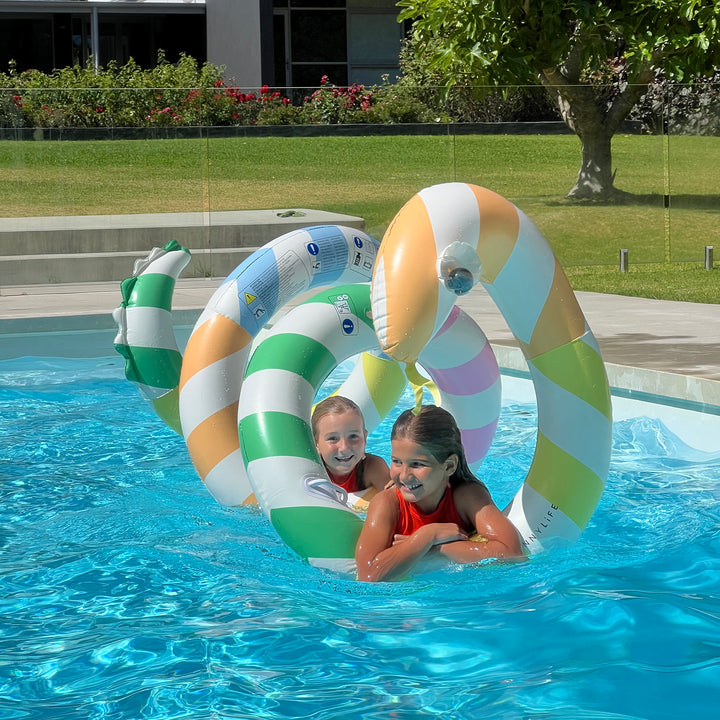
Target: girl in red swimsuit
339,430
437,507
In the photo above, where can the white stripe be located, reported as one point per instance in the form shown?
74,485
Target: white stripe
541,526
274,390
159,262
224,301
228,482
454,214
459,344
321,322
150,393
149,327
277,482
454,217
344,566
378,300
211,389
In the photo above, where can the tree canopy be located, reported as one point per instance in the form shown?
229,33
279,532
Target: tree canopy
564,44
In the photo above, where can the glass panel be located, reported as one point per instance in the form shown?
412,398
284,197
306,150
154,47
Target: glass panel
59,172
158,156
692,119
370,177
535,165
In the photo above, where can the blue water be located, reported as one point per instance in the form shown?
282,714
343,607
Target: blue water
126,592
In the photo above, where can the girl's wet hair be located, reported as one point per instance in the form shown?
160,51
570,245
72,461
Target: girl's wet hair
436,430
333,405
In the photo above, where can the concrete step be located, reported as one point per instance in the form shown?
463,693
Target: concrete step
96,248
98,267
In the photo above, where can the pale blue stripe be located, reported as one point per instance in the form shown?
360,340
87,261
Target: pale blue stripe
522,286
589,339
572,424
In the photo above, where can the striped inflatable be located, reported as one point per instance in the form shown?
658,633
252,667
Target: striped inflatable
216,354
292,487
145,333
445,240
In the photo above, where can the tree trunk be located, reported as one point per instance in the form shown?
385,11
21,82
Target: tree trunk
595,179
592,122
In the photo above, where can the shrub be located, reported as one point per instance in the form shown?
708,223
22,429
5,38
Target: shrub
465,102
681,108
128,96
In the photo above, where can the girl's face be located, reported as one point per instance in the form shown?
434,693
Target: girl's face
418,475
341,441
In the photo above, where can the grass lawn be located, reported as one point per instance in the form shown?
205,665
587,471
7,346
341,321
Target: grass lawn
374,176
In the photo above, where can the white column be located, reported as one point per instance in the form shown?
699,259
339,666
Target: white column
95,37
233,40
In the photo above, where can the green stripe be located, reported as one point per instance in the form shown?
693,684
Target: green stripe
316,532
166,407
298,354
269,434
357,296
577,368
149,290
564,481
156,367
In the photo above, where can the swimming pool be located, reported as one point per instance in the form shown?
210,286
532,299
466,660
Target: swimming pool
127,592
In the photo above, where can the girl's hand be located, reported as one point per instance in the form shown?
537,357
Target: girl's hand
446,533
439,534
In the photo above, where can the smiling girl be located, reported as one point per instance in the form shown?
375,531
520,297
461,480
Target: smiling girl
340,436
436,506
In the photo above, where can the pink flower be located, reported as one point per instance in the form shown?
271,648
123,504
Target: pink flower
324,80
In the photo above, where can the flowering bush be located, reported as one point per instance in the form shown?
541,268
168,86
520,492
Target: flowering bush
128,96
332,105
186,94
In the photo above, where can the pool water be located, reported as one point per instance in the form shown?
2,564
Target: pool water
126,592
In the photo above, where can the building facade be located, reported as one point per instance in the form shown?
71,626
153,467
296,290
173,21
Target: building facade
282,43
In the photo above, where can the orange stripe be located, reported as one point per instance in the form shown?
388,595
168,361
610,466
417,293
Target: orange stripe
214,340
214,439
499,227
561,319
409,255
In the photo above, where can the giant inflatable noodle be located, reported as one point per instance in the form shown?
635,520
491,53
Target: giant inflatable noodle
448,238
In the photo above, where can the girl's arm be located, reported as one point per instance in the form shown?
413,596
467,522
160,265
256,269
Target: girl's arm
500,538
376,556
375,472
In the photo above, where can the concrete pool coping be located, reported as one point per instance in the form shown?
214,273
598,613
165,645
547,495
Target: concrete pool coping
655,347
